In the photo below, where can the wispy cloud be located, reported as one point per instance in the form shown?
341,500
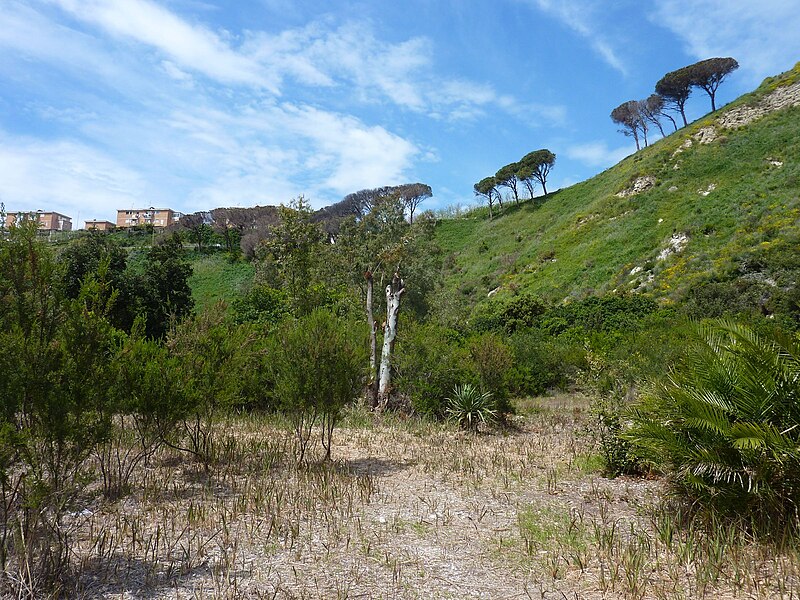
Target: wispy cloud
78,179
320,54
195,47
582,17
598,154
764,32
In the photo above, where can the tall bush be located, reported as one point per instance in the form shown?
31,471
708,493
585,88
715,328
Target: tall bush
318,366
492,359
211,352
55,355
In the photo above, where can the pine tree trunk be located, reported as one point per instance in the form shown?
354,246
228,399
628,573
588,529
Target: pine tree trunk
529,185
394,291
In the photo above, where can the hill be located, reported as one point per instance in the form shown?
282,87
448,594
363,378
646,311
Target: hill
711,209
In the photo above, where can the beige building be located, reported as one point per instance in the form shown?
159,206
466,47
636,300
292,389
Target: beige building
157,217
100,225
48,221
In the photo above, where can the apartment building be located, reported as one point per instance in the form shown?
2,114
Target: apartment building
100,225
48,221
157,217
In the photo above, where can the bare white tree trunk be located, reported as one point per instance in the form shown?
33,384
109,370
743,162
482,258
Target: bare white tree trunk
372,384
394,291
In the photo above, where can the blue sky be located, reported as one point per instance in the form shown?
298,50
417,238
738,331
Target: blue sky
194,104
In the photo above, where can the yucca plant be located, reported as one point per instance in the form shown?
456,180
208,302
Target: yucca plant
725,422
470,407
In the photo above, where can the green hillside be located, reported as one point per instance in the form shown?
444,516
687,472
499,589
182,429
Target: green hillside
216,278
724,198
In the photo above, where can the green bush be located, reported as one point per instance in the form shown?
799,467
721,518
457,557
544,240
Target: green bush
430,360
53,354
492,360
725,423
211,353
542,362
510,315
318,364
610,313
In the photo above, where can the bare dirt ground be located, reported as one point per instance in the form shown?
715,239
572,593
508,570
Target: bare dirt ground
410,510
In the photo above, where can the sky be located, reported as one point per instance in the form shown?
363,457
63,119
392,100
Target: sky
197,104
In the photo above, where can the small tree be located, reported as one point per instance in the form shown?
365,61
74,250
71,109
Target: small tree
53,352
147,404
317,363
487,188
628,116
199,227
211,352
676,87
710,73
293,256
537,165
507,177
652,109
412,195
492,359
163,291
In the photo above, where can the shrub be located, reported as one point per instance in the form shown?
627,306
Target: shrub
53,352
211,352
147,401
610,313
611,390
542,362
725,423
469,407
492,360
262,304
509,315
318,364
430,360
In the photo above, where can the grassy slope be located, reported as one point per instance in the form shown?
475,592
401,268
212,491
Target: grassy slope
585,239
215,278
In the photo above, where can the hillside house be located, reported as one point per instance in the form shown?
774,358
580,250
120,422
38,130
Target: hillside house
100,225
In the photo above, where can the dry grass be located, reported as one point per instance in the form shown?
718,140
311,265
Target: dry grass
411,510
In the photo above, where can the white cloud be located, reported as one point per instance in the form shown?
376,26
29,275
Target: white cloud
581,17
69,177
192,46
358,156
317,55
598,154
763,36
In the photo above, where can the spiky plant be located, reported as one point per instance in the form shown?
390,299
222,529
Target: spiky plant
470,407
725,422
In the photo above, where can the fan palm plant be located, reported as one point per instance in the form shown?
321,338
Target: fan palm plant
725,423
470,407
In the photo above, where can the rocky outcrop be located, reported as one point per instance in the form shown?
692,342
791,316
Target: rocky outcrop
675,245
783,97
641,184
